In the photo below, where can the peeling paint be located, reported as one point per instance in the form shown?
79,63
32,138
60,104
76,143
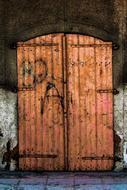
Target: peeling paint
118,128
117,147
125,127
125,154
8,125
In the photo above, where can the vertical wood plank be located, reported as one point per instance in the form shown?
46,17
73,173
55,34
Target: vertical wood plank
70,108
103,101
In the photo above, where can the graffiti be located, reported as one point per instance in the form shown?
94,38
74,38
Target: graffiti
33,73
41,71
49,86
27,69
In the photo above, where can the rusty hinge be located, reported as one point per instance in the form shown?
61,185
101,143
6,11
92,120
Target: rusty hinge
90,45
36,44
38,156
115,46
113,91
98,158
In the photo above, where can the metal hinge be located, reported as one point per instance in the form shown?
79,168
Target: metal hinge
27,155
113,91
36,44
91,45
98,158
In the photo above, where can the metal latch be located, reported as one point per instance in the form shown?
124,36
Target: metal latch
113,91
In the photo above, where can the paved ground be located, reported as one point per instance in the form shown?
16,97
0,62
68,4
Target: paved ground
63,180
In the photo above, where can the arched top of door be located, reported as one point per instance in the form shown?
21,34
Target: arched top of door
70,28
53,40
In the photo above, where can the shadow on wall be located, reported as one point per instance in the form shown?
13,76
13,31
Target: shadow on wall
8,129
10,155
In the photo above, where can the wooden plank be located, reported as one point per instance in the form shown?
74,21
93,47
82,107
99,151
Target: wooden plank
21,106
65,100
27,97
58,102
38,72
109,148
75,98
99,100
83,102
70,109
32,106
104,143
49,100
89,72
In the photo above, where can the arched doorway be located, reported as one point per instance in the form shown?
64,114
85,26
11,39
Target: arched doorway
65,103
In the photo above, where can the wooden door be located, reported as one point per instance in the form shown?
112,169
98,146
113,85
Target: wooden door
90,109
65,103
40,104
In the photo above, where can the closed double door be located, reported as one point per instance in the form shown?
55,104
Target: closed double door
65,110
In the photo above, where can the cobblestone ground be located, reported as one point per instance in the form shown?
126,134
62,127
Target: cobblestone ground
63,180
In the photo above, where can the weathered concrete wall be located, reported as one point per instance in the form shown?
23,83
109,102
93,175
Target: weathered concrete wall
125,126
27,19
120,127
2,45
8,129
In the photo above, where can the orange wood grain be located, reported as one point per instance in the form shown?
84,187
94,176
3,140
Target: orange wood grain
41,135
61,112
88,122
